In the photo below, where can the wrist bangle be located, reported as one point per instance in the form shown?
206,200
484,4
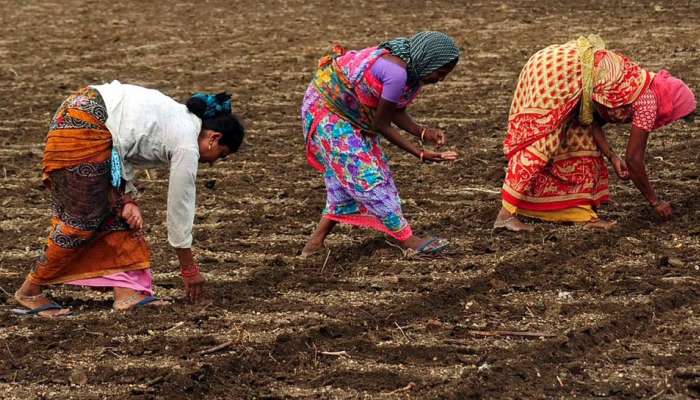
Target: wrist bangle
422,135
189,271
421,156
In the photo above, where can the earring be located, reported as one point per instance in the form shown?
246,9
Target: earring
209,146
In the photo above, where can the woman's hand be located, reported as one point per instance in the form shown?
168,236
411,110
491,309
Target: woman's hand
435,156
620,168
191,276
435,136
132,214
601,141
194,282
663,209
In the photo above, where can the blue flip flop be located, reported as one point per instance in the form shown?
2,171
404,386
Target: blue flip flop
141,303
425,248
37,310
146,301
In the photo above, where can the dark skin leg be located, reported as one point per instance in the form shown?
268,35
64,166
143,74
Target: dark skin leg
29,289
29,296
315,242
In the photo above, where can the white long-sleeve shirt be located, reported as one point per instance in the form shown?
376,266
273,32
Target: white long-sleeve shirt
151,130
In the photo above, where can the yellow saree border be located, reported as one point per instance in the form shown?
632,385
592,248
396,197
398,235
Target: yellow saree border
573,214
552,199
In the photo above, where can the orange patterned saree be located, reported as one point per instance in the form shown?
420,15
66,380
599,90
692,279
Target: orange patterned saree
87,238
553,161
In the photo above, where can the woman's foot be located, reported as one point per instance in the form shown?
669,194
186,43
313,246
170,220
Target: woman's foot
127,299
315,243
39,301
30,296
414,242
506,220
426,246
600,224
312,247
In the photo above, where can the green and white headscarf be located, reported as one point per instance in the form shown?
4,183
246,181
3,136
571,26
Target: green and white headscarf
424,52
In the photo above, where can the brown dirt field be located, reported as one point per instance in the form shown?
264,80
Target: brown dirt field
624,321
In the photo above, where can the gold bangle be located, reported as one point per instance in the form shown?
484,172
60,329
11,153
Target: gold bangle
421,156
422,135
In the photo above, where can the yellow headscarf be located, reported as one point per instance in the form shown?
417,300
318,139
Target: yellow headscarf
587,47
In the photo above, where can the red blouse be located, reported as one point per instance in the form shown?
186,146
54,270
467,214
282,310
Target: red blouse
642,113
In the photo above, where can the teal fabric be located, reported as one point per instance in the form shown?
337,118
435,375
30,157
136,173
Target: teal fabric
116,169
424,52
216,104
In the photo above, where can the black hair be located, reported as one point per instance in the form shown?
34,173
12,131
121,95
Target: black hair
223,121
230,127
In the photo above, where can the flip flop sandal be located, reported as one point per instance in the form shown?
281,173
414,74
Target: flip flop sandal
433,246
146,301
141,303
37,310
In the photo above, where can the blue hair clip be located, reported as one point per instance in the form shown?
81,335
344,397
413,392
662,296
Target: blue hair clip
216,104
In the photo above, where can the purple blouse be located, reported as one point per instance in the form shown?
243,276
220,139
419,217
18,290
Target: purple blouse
392,76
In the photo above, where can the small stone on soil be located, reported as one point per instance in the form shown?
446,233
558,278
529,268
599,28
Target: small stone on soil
78,377
675,262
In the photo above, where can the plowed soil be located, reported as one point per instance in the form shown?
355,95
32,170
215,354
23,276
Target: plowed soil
611,314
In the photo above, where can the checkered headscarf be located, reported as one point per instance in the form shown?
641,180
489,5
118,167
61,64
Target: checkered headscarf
423,52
